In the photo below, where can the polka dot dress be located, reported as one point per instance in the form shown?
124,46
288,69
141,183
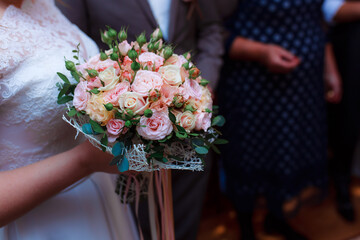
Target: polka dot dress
275,123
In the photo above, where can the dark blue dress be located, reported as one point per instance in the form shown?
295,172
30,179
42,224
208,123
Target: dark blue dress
275,123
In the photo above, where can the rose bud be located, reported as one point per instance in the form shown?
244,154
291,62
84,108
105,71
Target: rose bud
186,65
204,82
151,47
70,65
92,73
141,39
135,66
122,35
114,56
168,52
157,34
103,56
148,113
105,39
132,55
111,33
128,124
194,73
178,101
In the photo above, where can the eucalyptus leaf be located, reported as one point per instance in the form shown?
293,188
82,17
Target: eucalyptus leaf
87,129
221,141
63,77
215,148
218,121
116,160
201,150
118,148
123,165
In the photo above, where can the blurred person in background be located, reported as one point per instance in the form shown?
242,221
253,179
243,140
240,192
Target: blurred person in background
344,118
272,95
190,26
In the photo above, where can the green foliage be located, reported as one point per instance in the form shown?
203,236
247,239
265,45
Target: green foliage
96,127
63,77
104,141
201,150
109,106
95,91
218,121
65,99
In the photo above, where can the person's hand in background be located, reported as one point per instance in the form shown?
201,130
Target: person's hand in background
333,83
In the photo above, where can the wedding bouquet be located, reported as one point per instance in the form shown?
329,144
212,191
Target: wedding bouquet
141,102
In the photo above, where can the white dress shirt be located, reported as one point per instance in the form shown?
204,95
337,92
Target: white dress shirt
330,8
161,12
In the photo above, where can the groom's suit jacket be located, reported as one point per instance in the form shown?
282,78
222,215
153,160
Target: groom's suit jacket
198,30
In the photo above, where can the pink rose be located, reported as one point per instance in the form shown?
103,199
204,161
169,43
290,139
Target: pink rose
159,106
176,60
115,127
94,83
113,95
134,102
203,121
81,96
126,64
191,88
168,93
155,128
151,60
146,81
124,47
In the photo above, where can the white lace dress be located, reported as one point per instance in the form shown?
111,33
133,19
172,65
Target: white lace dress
33,43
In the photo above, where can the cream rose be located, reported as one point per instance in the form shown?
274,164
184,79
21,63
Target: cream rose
113,95
155,128
81,96
97,111
124,47
176,60
171,75
203,121
134,102
115,127
187,120
151,60
146,81
206,101
109,77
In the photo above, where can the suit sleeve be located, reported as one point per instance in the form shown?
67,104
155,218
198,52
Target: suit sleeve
210,42
77,12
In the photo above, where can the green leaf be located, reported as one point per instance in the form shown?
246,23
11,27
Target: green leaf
72,113
218,121
194,134
181,135
180,129
157,155
208,110
104,141
123,165
63,77
172,117
96,127
215,148
64,99
201,150
95,91
198,142
75,75
64,89
221,141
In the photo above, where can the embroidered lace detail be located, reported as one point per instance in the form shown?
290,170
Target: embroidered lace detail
33,43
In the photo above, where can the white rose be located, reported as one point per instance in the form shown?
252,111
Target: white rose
171,75
124,47
109,77
187,120
134,102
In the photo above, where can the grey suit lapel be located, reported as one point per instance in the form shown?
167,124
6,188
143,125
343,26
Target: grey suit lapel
173,16
145,7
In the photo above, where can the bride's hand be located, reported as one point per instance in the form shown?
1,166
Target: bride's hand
95,160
